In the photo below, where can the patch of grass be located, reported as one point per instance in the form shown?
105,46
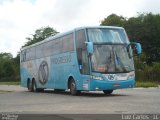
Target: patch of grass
146,84
3,91
9,83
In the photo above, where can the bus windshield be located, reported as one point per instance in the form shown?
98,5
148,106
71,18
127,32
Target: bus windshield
107,35
110,50
111,59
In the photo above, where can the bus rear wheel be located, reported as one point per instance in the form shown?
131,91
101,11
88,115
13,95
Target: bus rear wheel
34,86
29,86
107,92
73,89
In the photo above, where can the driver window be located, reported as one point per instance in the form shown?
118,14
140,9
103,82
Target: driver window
82,55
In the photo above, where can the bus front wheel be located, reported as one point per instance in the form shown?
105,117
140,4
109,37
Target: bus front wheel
107,92
73,89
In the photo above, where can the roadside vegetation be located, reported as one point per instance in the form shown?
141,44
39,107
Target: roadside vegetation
146,84
10,83
143,28
2,92
10,66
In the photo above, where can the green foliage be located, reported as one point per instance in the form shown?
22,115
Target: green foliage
146,84
9,69
146,72
149,73
146,31
114,20
40,34
144,28
10,83
16,62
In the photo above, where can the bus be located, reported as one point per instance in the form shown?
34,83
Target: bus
83,59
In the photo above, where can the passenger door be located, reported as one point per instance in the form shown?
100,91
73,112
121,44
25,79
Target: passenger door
83,60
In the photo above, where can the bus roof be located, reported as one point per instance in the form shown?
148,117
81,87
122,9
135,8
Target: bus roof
113,27
65,33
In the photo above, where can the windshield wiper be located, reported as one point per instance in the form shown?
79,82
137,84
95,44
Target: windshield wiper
118,60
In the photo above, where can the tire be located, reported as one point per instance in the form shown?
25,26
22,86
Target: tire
73,89
34,86
29,86
107,92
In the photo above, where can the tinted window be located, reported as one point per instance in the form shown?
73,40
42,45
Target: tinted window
68,43
23,56
30,53
57,46
48,46
107,35
39,51
82,55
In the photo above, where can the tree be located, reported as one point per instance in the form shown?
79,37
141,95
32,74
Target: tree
6,66
9,67
144,28
40,34
151,39
16,62
5,55
113,20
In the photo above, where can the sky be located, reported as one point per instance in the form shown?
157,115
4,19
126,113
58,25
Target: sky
20,18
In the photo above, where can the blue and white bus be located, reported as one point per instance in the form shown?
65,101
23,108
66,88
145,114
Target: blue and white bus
84,59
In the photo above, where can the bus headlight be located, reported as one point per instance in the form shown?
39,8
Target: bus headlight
96,77
131,75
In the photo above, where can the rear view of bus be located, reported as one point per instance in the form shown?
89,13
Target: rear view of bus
109,61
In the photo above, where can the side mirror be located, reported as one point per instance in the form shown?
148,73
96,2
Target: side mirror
89,47
80,67
136,47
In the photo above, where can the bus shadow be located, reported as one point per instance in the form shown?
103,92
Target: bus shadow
82,94
90,94
86,94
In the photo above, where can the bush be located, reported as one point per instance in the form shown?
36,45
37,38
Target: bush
10,79
149,73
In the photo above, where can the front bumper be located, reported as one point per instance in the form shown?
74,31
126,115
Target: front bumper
111,85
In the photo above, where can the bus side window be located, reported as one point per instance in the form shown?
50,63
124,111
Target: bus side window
23,56
57,46
48,46
39,51
68,43
30,54
82,55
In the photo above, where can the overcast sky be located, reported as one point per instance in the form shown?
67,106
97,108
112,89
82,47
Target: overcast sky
20,18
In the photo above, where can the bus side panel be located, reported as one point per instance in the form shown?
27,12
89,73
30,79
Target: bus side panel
73,71
27,71
44,73
63,66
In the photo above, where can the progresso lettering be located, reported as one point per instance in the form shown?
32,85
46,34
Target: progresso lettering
61,60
